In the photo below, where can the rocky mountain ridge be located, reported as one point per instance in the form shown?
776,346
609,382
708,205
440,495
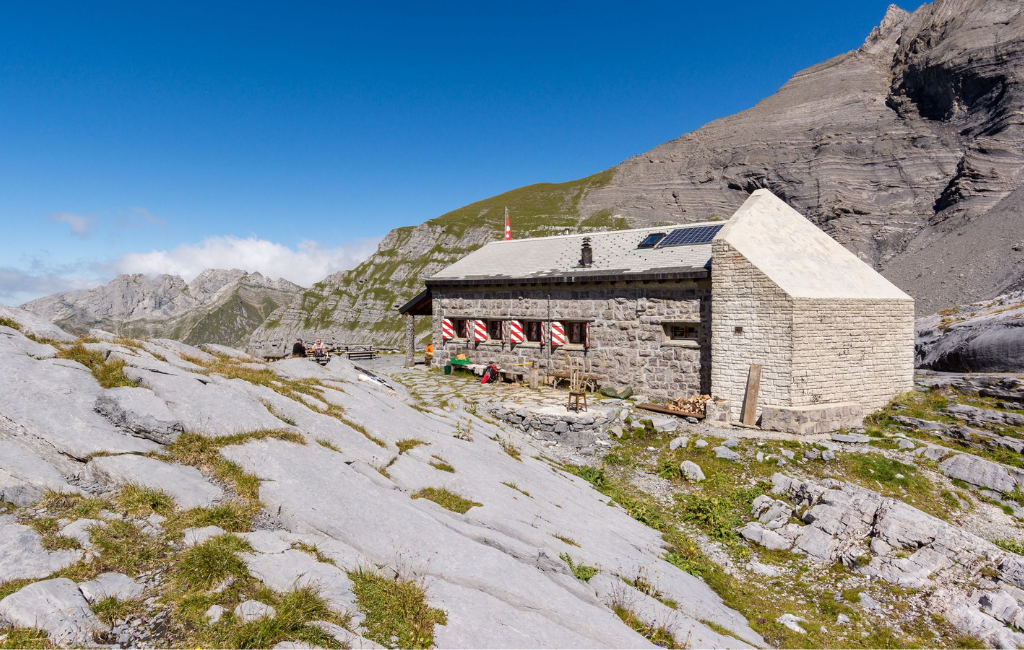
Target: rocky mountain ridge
908,150
217,306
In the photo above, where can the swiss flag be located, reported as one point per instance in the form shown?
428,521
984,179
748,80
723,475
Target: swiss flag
508,227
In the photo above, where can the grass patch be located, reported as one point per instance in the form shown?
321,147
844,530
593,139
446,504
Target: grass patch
581,571
109,374
233,517
567,540
441,464
361,429
409,443
446,499
24,638
7,322
656,634
1011,545
888,472
124,548
515,487
720,516
397,614
73,506
328,444
113,611
140,501
294,610
9,587
205,565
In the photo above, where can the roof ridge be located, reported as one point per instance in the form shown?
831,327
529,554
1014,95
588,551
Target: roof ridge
677,226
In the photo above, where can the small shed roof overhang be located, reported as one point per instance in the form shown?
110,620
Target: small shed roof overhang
422,304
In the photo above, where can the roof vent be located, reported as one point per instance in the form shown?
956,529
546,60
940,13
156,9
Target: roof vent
586,253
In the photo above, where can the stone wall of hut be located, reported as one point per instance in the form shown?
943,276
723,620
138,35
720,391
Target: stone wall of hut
629,342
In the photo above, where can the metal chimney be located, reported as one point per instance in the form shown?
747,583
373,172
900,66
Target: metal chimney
586,253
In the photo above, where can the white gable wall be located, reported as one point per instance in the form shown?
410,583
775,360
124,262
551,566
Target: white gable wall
826,327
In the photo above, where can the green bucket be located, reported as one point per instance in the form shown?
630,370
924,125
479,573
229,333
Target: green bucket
447,368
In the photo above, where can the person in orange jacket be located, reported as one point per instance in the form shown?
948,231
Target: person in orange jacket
428,356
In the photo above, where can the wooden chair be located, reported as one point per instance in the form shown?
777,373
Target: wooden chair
577,384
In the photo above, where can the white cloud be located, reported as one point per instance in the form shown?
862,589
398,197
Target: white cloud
18,286
80,226
307,264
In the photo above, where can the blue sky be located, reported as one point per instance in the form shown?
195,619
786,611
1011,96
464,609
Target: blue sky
168,137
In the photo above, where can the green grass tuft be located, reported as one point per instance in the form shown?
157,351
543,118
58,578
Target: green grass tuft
515,487
446,499
141,501
397,614
510,448
205,565
441,464
581,571
24,638
656,634
113,611
409,443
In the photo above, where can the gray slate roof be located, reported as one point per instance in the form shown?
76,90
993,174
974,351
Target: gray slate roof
556,259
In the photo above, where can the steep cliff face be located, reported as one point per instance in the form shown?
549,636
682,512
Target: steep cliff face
218,306
908,150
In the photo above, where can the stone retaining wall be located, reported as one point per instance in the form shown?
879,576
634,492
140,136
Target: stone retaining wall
576,429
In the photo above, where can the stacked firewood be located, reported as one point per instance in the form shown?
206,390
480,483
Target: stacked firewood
693,404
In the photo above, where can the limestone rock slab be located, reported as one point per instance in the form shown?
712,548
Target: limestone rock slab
110,585
978,471
24,477
253,610
140,412
56,606
22,554
210,407
35,325
186,485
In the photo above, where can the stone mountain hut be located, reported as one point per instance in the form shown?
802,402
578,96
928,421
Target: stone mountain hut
675,311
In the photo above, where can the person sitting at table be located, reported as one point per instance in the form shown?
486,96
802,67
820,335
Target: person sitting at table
298,350
428,356
319,351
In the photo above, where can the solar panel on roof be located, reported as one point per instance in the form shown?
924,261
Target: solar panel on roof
683,236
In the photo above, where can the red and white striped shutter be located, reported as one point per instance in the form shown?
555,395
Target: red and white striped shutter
479,330
557,334
516,331
447,330
586,335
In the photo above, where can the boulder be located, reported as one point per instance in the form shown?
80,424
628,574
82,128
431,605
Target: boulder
731,443
677,443
57,607
769,539
253,610
726,453
701,444
691,471
978,471
981,417
139,412
851,438
22,555
186,485
110,585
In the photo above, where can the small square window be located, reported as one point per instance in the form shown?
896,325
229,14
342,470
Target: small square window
494,330
461,331
682,331
737,330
